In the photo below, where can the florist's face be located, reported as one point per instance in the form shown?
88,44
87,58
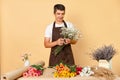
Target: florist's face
59,15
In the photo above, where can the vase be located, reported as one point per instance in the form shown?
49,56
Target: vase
105,64
110,64
26,63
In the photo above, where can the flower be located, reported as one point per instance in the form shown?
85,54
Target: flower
63,70
25,56
78,69
33,71
86,71
71,33
67,71
105,52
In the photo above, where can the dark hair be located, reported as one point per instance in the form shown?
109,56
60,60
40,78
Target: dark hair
59,7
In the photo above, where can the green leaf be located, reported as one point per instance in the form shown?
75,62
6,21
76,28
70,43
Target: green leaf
38,67
73,68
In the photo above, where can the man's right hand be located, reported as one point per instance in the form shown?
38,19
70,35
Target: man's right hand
60,41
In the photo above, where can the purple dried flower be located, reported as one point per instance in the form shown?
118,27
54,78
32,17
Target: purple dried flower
105,52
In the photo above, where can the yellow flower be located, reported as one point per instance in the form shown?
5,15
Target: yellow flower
56,74
63,71
68,74
72,74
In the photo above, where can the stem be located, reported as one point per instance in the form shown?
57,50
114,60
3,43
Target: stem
58,49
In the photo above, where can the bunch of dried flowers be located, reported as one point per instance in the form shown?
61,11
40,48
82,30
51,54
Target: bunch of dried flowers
105,52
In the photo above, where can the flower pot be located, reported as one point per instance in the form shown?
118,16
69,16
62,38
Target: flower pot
26,63
105,64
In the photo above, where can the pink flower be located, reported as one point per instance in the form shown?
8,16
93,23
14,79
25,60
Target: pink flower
39,72
35,74
32,70
25,74
29,68
30,74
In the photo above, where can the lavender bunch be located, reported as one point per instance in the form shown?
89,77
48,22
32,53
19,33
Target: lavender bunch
105,52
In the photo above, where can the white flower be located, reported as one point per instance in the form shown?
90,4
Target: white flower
81,74
86,71
71,33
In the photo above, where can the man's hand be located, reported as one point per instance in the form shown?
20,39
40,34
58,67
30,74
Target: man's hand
67,41
60,41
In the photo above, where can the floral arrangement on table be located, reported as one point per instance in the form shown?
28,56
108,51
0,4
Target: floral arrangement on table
25,58
34,71
71,33
105,52
67,71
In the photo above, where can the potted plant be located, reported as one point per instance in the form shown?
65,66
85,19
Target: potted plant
104,55
25,58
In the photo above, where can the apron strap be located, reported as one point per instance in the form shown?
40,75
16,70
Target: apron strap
63,22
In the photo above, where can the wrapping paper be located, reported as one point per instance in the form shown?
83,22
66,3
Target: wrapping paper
13,75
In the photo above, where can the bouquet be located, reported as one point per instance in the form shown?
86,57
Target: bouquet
63,70
34,71
71,33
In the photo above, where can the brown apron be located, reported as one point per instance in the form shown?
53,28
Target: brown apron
65,55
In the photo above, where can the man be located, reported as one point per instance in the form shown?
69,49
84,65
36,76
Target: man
53,38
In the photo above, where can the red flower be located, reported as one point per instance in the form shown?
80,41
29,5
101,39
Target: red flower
78,70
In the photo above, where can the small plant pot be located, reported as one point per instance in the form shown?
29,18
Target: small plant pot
26,63
105,64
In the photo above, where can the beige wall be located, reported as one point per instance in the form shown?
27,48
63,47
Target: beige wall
24,22
0,37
